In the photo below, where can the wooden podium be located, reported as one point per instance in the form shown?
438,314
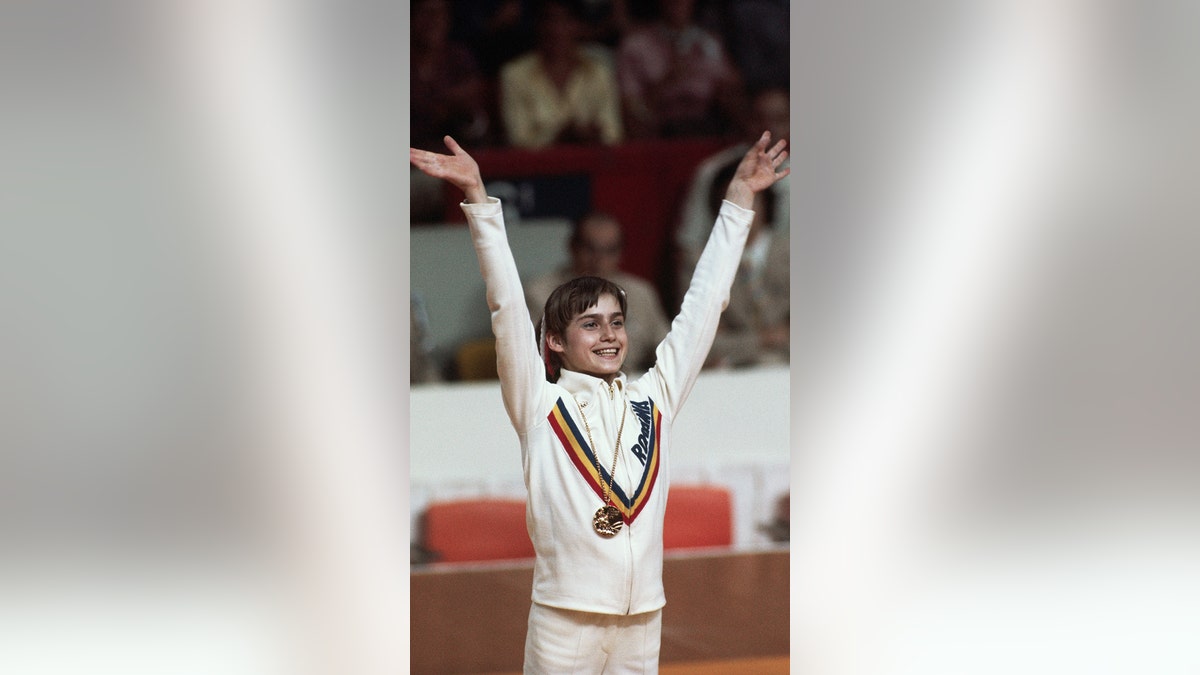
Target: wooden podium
721,606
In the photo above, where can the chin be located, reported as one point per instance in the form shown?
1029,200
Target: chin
606,370
614,366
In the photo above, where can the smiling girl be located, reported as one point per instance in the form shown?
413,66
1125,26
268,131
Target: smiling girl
595,444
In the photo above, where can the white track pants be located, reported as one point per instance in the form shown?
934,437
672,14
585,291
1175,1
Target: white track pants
562,641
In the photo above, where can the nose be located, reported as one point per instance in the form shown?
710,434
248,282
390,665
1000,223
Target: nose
607,333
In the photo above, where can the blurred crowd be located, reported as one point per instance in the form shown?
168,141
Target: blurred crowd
536,74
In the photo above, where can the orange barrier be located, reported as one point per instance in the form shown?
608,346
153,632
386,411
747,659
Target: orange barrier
698,516
476,529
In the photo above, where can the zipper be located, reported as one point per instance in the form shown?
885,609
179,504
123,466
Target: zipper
612,394
629,561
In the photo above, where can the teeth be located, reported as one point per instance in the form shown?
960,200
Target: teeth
607,352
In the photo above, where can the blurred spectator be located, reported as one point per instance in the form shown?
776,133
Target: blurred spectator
780,527
559,92
595,249
754,328
770,110
676,79
759,40
421,368
448,91
496,30
605,22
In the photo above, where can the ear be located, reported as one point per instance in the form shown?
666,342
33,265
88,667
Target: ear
555,343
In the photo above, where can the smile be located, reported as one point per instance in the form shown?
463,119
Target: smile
606,352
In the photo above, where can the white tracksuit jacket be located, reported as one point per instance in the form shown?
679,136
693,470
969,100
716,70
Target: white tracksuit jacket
575,567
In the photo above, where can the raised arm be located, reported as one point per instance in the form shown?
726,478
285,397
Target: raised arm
681,355
521,371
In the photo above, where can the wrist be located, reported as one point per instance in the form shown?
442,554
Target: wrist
475,193
740,194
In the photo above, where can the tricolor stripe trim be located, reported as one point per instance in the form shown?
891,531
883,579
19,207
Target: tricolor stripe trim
574,442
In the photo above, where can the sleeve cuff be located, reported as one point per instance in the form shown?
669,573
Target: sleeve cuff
736,212
491,206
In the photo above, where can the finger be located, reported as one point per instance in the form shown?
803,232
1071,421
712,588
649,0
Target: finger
778,147
763,140
418,156
453,145
779,159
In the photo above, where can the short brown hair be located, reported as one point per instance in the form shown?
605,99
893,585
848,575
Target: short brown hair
568,301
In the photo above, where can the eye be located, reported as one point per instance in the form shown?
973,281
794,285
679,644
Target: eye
589,324
618,323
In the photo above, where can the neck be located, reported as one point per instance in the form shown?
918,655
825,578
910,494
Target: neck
608,378
557,54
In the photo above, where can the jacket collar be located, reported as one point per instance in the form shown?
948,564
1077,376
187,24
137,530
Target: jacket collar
586,388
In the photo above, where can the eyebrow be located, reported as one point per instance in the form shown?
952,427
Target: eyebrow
597,315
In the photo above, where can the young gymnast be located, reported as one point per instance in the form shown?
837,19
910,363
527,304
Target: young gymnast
595,444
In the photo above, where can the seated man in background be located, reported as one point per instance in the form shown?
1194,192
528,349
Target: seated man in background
754,328
770,109
595,248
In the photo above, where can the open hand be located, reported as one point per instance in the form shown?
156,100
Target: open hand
758,170
458,169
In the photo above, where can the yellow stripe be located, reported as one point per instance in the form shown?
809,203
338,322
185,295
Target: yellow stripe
576,445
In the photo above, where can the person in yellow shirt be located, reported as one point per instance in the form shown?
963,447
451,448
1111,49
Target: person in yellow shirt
560,92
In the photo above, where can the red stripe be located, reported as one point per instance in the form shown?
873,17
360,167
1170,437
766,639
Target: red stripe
565,438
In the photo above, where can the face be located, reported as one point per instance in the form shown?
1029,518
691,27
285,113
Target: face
431,22
677,13
771,110
558,30
594,342
598,251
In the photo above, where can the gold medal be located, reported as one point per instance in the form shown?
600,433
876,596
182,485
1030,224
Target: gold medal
607,521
